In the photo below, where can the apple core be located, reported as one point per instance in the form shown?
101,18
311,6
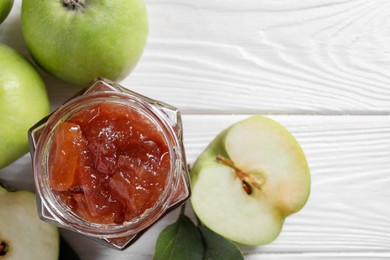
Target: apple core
249,181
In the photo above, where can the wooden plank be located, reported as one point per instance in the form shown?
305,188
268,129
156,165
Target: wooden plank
349,157
280,57
347,215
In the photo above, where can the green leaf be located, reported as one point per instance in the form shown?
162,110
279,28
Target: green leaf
180,240
66,251
218,247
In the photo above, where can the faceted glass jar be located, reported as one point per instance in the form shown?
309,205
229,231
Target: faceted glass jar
165,117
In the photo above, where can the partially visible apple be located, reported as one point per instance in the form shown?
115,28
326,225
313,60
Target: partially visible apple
5,8
248,180
79,40
23,102
22,234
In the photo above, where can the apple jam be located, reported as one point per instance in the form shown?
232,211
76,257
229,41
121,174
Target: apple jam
109,163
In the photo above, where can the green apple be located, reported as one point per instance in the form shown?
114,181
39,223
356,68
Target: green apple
79,40
22,234
23,102
5,8
248,180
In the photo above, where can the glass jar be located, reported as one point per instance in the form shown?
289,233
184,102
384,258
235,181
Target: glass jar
163,116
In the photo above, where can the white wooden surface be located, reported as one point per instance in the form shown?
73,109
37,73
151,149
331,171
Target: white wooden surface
320,67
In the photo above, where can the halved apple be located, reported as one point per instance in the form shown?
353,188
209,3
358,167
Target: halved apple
249,179
22,234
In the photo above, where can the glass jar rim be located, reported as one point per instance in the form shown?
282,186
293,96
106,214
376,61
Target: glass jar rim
60,211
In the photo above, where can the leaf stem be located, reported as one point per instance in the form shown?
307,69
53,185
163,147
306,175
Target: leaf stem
182,209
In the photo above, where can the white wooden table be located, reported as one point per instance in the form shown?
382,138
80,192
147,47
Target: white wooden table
319,67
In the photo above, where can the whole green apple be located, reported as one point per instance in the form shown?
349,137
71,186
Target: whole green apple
5,8
23,235
248,180
23,101
79,40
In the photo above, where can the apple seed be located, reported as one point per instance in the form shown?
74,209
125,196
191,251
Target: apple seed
248,181
247,188
3,248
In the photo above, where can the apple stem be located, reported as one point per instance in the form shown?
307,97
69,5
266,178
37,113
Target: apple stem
74,4
3,248
248,181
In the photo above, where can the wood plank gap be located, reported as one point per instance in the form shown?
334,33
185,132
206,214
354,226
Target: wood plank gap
282,113
324,253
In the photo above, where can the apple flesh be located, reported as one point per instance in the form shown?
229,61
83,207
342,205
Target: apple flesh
248,180
23,102
5,8
22,234
80,40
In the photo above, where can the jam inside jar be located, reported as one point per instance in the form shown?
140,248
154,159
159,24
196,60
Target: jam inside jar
109,163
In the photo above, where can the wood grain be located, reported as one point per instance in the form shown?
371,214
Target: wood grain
281,57
347,214
320,67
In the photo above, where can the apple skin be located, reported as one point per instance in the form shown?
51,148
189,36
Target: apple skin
25,234
103,39
5,8
219,197
23,102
